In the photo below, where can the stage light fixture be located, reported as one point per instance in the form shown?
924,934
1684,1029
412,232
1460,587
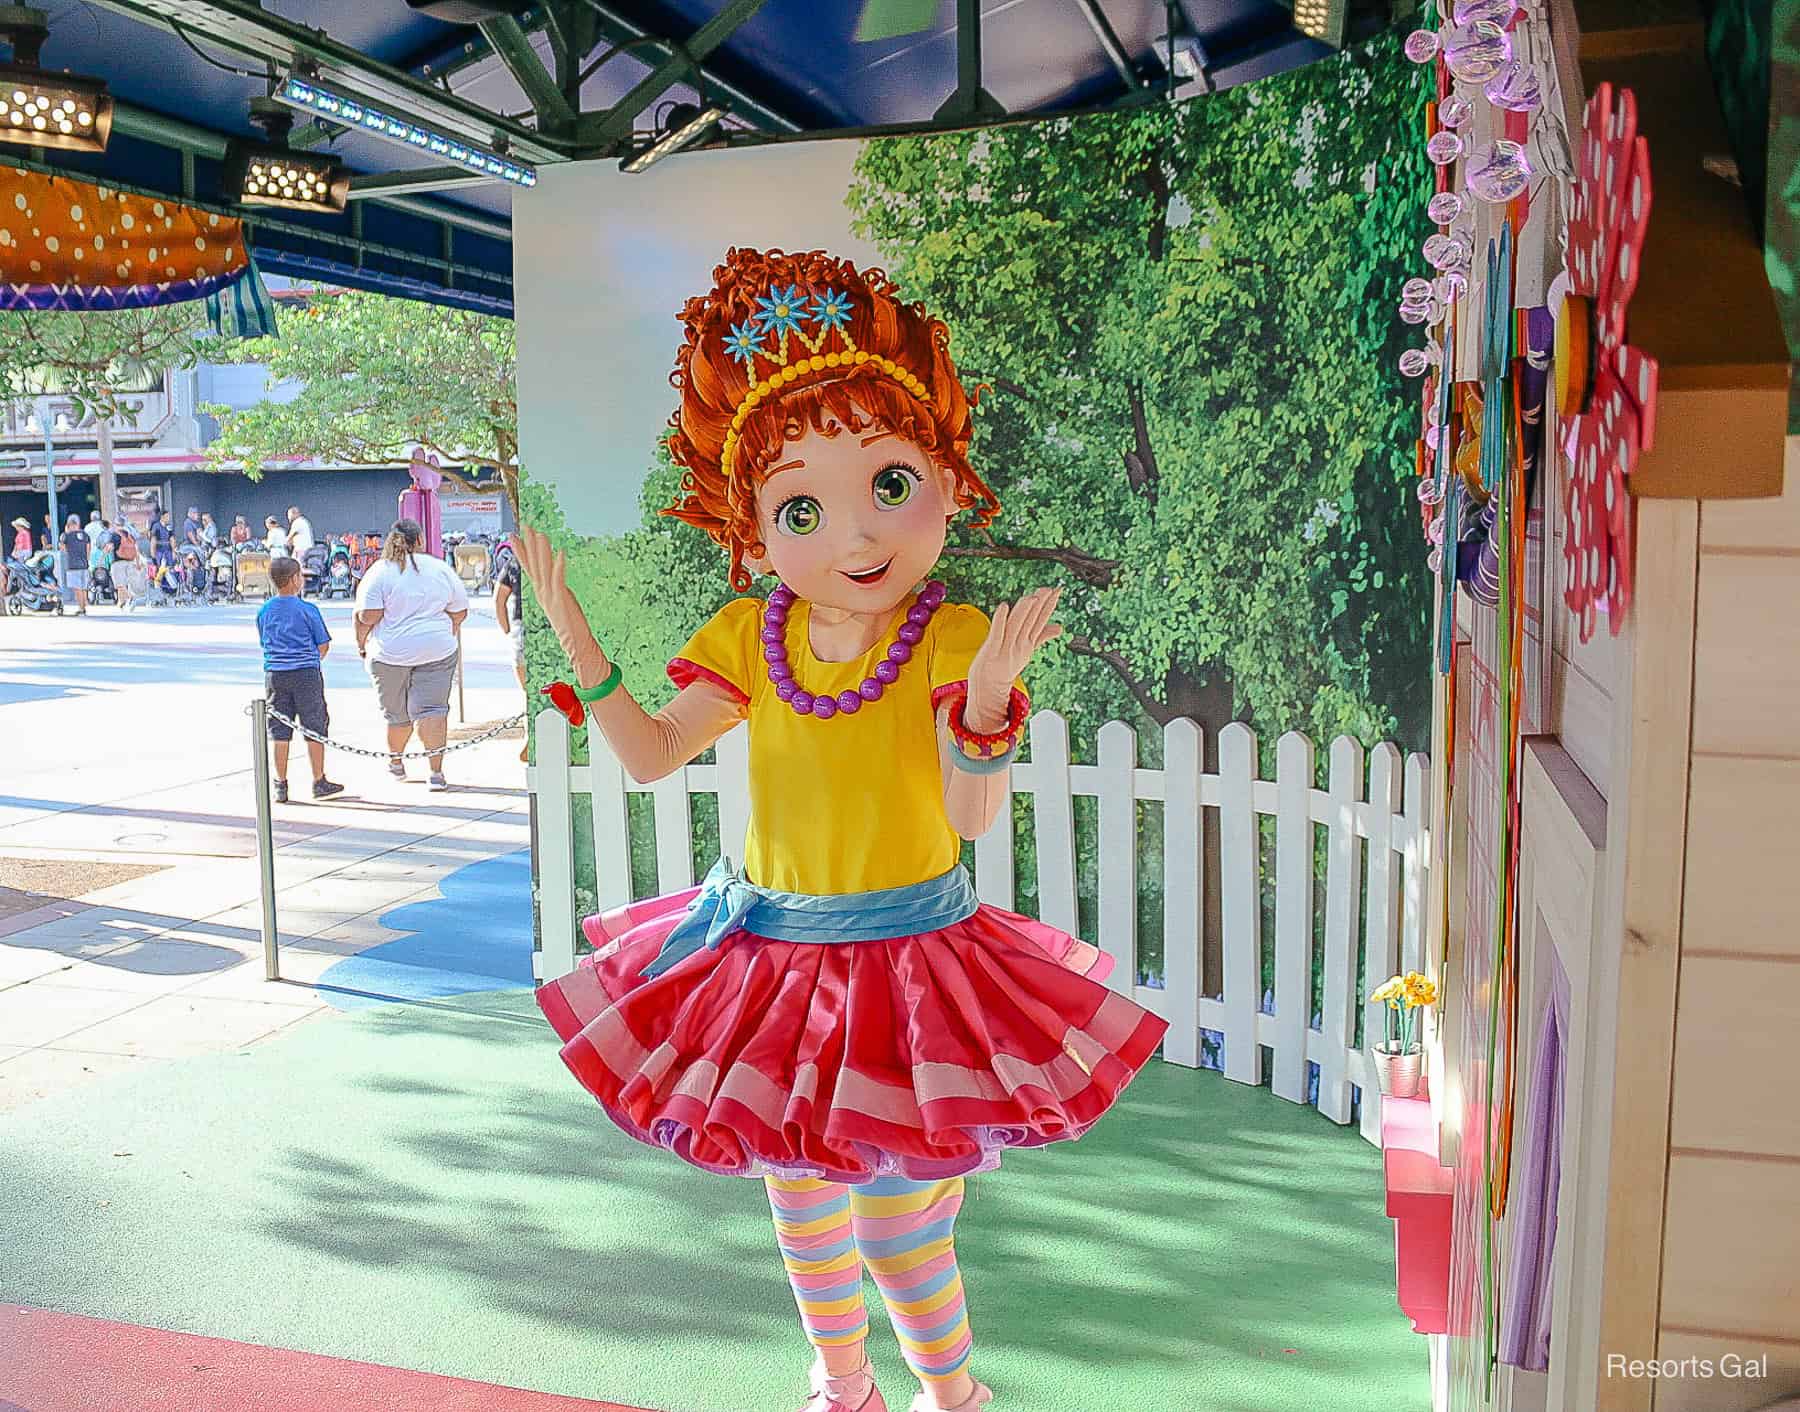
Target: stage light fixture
269,174
325,101
684,126
1323,20
40,108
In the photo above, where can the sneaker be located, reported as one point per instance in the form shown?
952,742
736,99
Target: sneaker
397,767
280,787
324,788
438,781
977,1400
856,1392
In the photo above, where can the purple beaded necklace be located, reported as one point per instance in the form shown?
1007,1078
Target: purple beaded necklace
886,673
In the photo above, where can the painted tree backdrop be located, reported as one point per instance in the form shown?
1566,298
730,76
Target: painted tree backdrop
1184,317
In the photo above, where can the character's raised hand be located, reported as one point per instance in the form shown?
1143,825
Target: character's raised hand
1014,635
547,570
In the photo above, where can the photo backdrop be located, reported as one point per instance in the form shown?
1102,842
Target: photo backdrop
1183,317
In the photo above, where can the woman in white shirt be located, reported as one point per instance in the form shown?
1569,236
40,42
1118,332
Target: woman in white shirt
277,540
409,612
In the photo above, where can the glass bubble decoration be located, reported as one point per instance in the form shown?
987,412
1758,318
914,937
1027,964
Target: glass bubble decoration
1435,530
1414,363
1450,286
1415,291
1455,110
1430,491
1494,12
1444,208
1516,88
1413,313
1434,561
1444,148
1422,46
1476,52
1447,252
1499,172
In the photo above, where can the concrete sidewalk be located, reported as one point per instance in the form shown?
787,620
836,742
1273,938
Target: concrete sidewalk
169,963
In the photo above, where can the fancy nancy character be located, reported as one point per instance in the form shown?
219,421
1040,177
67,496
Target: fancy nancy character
838,1014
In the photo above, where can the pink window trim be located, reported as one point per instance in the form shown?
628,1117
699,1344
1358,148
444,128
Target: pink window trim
684,672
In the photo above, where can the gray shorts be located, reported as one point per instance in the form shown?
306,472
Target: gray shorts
518,644
412,693
74,579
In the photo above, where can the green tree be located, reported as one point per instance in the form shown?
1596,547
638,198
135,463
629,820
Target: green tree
376,377
94,357
1185,318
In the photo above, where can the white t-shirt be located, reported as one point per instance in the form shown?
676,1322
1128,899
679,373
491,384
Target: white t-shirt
414,602
301,535
277,542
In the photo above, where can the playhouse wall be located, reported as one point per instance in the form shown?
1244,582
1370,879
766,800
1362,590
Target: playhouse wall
1731,1259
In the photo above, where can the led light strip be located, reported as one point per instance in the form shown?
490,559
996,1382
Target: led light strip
313,97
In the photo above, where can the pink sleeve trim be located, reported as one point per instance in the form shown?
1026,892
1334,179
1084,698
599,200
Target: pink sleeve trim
684,673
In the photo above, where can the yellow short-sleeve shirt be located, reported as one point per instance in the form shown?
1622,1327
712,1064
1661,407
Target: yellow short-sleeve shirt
854,803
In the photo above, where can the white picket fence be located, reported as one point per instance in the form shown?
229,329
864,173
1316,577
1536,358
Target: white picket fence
1389,912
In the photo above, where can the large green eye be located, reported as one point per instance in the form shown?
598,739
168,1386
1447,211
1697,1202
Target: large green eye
894,487
799,516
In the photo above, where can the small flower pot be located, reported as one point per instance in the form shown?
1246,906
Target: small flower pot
1397,1073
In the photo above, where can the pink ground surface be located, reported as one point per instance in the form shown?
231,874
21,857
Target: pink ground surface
69,1363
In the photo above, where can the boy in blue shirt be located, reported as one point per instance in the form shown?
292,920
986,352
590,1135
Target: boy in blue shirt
294,644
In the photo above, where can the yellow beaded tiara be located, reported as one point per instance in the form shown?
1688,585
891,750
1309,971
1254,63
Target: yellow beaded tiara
785,314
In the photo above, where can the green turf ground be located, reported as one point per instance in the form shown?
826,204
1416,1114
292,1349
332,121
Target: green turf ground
424,1186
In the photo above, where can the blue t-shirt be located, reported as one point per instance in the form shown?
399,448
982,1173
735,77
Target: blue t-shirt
292,631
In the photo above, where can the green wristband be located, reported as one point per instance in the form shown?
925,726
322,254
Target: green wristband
606,688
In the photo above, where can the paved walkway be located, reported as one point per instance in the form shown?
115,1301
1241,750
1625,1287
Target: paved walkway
127,743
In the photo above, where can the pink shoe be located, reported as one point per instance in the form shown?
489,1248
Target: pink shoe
841,1394
975,1402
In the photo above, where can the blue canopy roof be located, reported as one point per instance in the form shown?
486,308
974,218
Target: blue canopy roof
185,71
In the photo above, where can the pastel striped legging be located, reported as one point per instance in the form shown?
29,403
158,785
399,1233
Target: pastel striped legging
903,1230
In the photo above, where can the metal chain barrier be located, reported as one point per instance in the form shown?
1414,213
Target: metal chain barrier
445,749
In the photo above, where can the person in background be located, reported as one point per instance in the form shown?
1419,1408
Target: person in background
240,532
21,542
76,547
95,524
190,527
129,581
409,613
162,540
294,643
276,539
300,533
509,613
209,532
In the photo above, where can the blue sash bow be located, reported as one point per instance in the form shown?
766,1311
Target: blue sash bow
729,902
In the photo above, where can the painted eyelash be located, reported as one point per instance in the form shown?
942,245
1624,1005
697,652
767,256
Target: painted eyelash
775,518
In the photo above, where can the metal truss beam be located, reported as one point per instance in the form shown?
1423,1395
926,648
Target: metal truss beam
247,28
389,184
555,113
598,133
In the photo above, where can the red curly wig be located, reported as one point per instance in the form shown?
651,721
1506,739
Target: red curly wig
713,384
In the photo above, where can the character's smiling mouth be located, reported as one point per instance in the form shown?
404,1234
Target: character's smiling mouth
874,575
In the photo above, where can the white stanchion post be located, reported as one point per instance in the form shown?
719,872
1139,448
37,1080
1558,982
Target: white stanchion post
265,835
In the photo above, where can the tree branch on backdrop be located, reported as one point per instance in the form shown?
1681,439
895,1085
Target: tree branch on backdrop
1136,685
1140,463
1089,568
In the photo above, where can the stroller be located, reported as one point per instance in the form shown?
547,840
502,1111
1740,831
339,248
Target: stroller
474,566
340,575
312,569
31,585
190,576
221,576
100,585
